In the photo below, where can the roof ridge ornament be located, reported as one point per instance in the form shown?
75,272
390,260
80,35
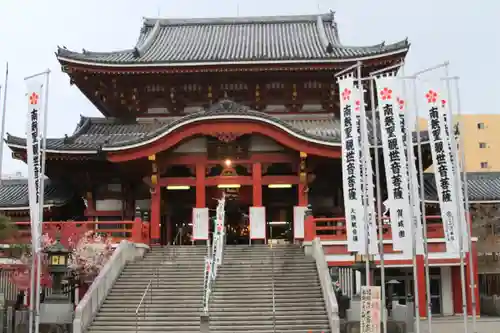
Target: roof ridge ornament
227,106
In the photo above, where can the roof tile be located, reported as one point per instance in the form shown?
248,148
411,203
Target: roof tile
275,38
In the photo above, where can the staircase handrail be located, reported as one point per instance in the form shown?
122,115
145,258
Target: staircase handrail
272,283
149,289
212,262
215,253
325,279
90,304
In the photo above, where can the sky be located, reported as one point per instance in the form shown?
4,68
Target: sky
459,31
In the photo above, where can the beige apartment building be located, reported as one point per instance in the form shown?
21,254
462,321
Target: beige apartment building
481,140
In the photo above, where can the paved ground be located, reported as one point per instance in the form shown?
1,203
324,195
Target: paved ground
455,324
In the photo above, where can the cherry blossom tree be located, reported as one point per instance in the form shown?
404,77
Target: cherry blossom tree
89,252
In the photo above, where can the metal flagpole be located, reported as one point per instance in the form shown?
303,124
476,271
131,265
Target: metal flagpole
379,207
4,114
42,195
460,209
410,161
466,199
364,161
422,207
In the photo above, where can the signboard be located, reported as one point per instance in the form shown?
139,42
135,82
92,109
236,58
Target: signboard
200,223
370,310
257,223
298,221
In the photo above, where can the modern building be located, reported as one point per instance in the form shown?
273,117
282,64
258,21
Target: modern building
244,106
481,141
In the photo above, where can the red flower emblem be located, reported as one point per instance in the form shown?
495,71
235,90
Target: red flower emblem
346,94
357,105
34,99
431,96
401,103
386,94
443,103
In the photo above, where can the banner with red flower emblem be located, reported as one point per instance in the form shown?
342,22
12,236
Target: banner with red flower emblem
369,199
407,124
396,170
444,170
34,124
351,168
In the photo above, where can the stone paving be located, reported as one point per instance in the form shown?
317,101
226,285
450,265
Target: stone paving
455,324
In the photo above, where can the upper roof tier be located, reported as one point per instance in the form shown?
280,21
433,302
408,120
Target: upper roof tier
235,40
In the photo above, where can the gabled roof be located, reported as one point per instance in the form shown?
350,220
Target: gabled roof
174,42
482,187
14,194
95,134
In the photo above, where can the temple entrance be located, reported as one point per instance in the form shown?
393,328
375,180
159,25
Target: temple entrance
176,215
279,200
236,212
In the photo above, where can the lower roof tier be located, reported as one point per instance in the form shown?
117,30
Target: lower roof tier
95,135
483,187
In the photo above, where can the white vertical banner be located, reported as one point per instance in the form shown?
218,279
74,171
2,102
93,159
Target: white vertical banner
370,309
406,122
351,168
298,221
443,166
446,115
257,223
34,124
367,189
200,223
396,170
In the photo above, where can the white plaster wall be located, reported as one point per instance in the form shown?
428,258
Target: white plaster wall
446,291
108,205
196,145
262,143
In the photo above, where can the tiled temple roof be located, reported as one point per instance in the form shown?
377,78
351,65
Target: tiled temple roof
172,42
14,194
482,186
95,134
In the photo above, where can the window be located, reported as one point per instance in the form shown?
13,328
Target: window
480,125
482,145
484,165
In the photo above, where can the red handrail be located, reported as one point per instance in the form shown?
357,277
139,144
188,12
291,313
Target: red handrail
334,228
132,230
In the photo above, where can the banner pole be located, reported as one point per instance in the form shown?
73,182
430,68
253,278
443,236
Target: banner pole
461,140
42,197
364,161
422,206
4,114
413,227
379,208
459,207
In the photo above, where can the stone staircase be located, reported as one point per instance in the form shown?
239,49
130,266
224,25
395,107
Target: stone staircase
175,305
242,299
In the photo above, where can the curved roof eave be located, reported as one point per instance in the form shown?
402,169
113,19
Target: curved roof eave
210,117
69,59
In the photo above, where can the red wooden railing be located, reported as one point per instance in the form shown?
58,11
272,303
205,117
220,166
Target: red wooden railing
134,230
334,228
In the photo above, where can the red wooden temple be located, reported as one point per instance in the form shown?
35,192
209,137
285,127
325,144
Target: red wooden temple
246,106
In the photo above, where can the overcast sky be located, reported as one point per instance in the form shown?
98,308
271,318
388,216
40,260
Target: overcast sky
463,32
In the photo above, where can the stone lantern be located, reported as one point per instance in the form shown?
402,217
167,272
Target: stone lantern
56,312
58,265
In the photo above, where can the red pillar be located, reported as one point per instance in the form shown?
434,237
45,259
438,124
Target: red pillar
200,186
469,286
457,289
155,214
422,299
302,192
257,184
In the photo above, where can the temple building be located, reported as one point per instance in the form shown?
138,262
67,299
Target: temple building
245,106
